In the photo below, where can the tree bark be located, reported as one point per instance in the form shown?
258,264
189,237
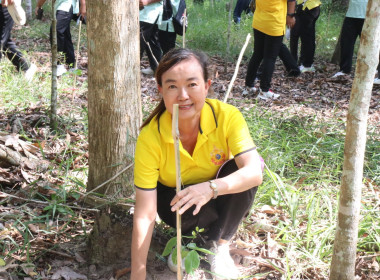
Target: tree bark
28,9
114,101
344,255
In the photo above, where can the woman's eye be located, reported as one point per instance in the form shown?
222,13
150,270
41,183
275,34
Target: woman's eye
193,84
172,87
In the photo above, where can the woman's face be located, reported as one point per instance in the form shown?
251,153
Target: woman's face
183,84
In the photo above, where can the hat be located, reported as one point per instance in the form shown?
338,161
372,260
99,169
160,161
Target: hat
17,12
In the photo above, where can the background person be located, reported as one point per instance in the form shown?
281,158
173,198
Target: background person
210,133
8,47
351,30
150,18
269,22
307,14
64,13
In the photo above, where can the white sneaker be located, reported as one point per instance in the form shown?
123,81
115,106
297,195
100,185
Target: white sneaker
249,91
147,71
222,265
30,72
376,81
61,69
304,69
338,74
267,95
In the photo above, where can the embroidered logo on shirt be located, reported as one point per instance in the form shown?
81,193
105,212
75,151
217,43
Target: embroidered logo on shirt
217,156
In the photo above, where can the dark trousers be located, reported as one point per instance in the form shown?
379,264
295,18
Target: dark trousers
240,7
351,30
149,42
304,29
8,47
64,41
221,216
266,49
167,40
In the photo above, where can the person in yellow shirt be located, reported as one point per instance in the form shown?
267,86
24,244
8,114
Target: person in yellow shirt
307,13
211,132
269,21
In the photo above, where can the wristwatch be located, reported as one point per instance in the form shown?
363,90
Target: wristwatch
214,188
292,14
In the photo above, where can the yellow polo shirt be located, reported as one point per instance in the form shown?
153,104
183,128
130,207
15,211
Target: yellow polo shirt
310,4
223,134
270,16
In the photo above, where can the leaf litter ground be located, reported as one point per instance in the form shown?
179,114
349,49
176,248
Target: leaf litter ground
55,249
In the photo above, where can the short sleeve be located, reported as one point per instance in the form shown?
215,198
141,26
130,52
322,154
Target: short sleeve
147,160
238,136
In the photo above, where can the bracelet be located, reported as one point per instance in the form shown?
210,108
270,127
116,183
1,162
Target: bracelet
291,15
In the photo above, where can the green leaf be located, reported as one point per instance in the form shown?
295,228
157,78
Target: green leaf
169,246
193,246
191,262
2,262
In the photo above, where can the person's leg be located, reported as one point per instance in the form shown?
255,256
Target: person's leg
289,62
351,29
231,208
167,40
308,36
149,41
8,47
257,57
295,34
272,45
64,43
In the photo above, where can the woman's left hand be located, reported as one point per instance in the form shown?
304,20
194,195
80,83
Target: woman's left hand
197,195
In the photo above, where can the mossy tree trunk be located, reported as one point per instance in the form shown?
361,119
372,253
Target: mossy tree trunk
114,113
344,255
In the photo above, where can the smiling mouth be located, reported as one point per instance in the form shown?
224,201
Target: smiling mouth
184,107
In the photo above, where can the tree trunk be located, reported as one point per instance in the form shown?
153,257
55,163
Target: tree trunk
344,255
114,113
336,55
114,102
28,9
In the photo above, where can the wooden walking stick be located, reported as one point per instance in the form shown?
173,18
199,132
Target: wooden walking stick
184,29
237,68
175,134
76,60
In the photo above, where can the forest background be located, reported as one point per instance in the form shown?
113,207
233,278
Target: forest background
290,231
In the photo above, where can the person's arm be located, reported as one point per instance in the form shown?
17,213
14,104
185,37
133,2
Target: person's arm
82,8
248,175
143,3
143,223
40,3
290,19
6,3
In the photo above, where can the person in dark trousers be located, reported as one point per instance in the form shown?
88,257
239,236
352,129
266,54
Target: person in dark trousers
166,32
351,30
240,7
307,13
8,47
150,18
64,13
269,22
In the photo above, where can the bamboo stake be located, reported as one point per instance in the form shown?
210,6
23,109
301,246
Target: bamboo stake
175,134
237,68
76,60
184,29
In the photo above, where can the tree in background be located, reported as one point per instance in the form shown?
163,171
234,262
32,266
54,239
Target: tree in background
344,256
114,108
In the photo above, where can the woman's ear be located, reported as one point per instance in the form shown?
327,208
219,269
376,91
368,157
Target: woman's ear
159,89
207,85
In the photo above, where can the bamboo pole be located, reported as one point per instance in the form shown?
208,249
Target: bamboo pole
76,60
237,67
175,134
184,29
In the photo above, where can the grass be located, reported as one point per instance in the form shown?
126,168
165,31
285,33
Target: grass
304,153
